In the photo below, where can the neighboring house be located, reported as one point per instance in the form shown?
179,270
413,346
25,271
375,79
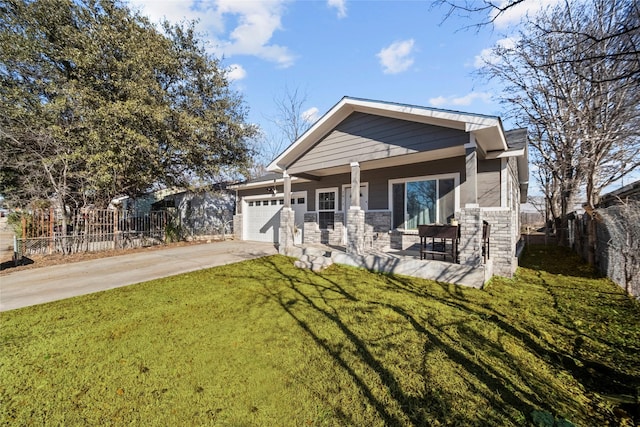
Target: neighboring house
143,204
411,165
199,213
621,195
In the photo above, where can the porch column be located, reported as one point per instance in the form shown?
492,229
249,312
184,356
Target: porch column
287,220
355,185
470,247
470,193
355,215
287,189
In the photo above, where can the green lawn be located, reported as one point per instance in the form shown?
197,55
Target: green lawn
263,343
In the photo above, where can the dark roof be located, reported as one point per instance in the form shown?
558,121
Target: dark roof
516,138
264,178
629,191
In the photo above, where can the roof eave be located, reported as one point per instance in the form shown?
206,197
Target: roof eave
265,183
480,124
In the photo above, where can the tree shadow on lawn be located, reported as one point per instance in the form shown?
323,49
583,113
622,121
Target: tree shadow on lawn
571,295
557,260
593,375
322,294
434,402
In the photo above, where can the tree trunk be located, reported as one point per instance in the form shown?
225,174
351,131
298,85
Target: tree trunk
591,239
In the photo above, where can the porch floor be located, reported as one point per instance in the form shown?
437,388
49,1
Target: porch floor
406,262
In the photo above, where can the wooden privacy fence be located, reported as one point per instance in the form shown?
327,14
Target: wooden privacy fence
47,231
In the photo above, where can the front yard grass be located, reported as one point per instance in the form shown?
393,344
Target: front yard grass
263,343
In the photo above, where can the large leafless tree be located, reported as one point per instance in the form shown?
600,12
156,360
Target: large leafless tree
289,121
571,76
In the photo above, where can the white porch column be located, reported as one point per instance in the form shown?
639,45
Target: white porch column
355,215
287,189
287,219
470,193
355,185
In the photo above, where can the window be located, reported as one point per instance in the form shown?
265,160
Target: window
398,205
446,200
326,205
327,201
422,201
274,202
250,203
301,200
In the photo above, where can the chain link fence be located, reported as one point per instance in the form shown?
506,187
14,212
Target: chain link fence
617,252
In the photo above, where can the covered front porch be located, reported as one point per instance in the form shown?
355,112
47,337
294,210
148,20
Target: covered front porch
374,172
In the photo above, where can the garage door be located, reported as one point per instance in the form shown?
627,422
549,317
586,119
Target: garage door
263,219
262,216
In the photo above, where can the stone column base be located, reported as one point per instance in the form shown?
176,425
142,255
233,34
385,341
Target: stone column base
355,231
286,231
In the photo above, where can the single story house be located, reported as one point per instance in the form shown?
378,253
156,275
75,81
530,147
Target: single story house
368,173
202,212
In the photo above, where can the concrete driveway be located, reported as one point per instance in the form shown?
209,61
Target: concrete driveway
39,285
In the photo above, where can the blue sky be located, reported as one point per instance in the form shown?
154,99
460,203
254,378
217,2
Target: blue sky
397,51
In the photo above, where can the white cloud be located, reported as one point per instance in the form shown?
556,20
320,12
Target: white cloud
236,72
311,115
487,56
255,23
458,101
341,7
438,102
396,58
515,14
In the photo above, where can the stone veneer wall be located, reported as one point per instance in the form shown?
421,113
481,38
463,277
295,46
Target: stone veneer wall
355,232
313,234
470,246
237,227
376,230
402,240
286,231
376,233
502,240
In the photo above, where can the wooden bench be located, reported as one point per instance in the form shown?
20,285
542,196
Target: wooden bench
439,235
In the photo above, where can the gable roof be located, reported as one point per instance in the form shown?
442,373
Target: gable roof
488,131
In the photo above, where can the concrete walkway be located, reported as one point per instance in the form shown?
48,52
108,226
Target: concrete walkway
39,285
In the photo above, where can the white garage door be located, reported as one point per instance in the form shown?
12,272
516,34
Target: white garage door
262,216
262,219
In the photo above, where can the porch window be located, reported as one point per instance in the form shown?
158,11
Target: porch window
326,203
422,201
